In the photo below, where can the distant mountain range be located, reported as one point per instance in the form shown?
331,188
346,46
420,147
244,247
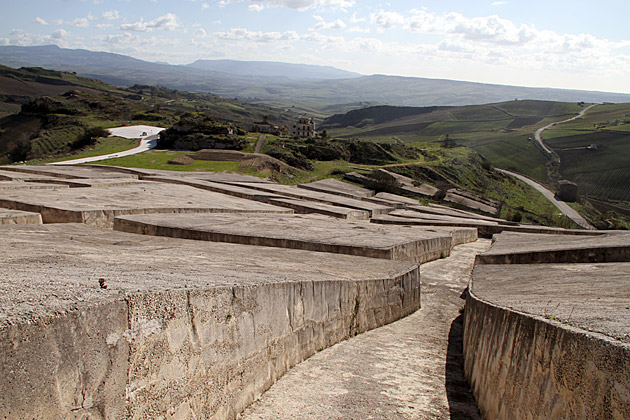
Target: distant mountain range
284,84
273,69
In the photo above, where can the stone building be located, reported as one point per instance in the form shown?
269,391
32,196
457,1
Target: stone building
567,191
266,127
303,127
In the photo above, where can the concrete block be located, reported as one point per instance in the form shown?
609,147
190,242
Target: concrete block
307,232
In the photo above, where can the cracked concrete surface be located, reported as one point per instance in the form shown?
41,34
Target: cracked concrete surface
410,369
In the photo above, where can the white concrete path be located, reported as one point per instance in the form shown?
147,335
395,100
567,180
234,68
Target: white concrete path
147,134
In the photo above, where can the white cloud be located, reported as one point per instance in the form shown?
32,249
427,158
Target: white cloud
296,4
237,34
167,22
80,22
498,3
200,33
336,24
125,38
40,21
110,15
386,19
358,29
255,7
60,34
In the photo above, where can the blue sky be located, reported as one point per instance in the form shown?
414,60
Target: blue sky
553,43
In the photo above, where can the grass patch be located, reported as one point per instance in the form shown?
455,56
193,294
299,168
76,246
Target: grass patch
158,159
103,146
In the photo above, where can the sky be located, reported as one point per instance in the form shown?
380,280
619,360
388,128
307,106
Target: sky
540,43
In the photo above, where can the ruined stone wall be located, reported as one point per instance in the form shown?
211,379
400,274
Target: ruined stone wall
186,353
521,366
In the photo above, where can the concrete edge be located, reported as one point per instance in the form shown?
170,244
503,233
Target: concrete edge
524,366
186,353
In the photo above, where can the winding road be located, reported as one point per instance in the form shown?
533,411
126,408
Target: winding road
538,133
561,205
148,136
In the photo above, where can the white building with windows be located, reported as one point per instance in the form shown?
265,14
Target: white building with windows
303,127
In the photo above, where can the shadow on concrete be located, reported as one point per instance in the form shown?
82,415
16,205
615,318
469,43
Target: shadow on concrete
462,405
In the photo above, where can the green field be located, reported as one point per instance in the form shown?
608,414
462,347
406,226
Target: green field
500,132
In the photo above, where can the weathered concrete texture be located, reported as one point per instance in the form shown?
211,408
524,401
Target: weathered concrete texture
334,186
486,228
30,185
593,297
99,206
97,182
183,330
522,365
448,211
344,189
20,176
459,235
307,232
471,201
519,248
332,199
17,217
410,369
68,172
223,188
397,198
142,173
409,186
312,207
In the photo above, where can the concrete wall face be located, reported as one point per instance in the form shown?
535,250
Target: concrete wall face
68,367
522,367
186,353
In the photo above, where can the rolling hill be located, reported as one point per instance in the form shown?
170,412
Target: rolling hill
314,89
594,150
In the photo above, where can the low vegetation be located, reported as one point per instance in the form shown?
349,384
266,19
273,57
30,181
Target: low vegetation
443,146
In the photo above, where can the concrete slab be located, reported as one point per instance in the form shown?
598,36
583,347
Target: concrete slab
94,182
593,297
208,176
398,198
20,176
99,206
21,185
334,186
312,207
332,199
17,217
228,189
68,172
447,211
307,232
181,328
486,228
47,269
456,197
519,248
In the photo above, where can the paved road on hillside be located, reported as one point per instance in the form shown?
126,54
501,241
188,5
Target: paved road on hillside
147,142
538,133
561,205
410,369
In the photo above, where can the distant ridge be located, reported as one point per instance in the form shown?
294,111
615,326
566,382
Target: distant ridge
273,69
284,84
